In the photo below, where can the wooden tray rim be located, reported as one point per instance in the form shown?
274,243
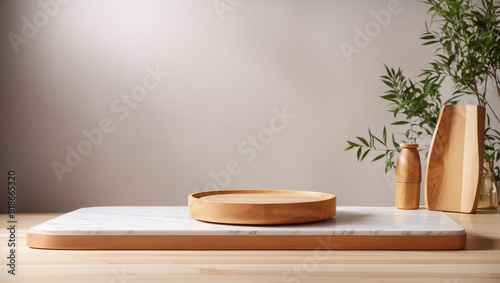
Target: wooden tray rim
322,196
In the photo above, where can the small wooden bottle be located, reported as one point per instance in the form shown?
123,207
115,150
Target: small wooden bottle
408,177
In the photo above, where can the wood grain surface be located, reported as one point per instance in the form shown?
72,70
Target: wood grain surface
454,165
478,262
261,206
247,242
407,195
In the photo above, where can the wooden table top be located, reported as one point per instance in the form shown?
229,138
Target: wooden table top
478,262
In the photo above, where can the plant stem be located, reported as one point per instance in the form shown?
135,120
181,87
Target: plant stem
485,83
497,83
411,129
477,93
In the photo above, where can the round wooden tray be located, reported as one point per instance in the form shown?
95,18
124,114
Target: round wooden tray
257,207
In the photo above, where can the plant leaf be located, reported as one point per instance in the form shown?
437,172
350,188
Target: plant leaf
364,155
353,144
400,123
363,141
378,157
396,145
384,136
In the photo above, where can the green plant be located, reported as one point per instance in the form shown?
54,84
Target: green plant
415,105
467,38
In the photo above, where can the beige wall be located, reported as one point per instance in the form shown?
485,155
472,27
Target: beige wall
226,75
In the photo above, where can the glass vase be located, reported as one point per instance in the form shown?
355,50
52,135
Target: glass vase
488,194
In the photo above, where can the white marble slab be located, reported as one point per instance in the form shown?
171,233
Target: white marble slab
174,220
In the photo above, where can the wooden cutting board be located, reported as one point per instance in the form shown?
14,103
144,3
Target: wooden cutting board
261,207
454,164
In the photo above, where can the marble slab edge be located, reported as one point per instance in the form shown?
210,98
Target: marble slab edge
453,236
